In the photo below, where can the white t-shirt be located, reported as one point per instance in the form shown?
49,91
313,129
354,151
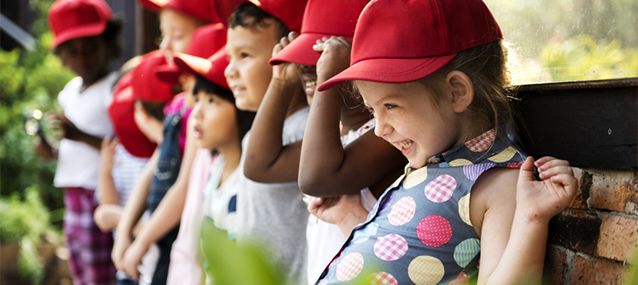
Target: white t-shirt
221,200
274,214
78,163
325,239
126,170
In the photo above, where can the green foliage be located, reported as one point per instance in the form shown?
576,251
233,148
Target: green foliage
26,222
582,57
631,277
236,264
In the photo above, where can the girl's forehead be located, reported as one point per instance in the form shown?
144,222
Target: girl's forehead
171,20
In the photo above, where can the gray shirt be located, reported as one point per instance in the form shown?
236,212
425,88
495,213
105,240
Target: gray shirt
274,214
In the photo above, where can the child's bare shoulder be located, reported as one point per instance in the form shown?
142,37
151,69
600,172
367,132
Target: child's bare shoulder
494,190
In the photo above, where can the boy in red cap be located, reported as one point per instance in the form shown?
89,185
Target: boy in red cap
440,98
86,40
271,214
337,140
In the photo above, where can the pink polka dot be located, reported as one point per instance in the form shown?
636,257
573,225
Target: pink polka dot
383,278
440,189
350,266
434,231
390,247
402,212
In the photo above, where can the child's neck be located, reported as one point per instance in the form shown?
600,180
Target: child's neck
88,81
353,118
232,155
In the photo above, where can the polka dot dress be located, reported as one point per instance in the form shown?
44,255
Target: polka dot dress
420,231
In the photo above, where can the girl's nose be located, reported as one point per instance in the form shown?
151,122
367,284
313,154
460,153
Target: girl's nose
382,128
230,70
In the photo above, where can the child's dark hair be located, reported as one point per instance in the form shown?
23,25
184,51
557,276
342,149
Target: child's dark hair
248,15
244,119
155,110
486,66
110,37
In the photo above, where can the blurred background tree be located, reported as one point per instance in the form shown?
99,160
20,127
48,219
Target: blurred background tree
29,80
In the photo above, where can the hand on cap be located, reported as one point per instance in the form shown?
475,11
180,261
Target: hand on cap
541,200
285,71
335,57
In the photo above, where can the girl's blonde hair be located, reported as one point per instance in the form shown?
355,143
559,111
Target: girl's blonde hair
486,66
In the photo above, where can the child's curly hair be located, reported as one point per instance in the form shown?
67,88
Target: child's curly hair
248,15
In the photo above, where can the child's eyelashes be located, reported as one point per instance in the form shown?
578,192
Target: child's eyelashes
389,106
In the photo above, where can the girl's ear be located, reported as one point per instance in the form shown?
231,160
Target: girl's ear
462,90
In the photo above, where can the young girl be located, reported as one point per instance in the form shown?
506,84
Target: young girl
440,99
86,40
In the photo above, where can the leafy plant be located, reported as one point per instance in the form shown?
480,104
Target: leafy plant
27,223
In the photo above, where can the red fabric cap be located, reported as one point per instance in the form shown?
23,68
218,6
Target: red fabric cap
401,41
322,18
211,68
72,19
200,9
146,85
224,8
289,12
205,41
121,112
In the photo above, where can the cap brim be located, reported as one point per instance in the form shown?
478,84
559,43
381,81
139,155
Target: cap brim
299,51
169,74
153,5
395,70
193,64
79,32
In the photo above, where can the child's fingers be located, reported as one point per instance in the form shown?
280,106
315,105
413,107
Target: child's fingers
292,35
526,172
556,170
553,163
569,182
543,160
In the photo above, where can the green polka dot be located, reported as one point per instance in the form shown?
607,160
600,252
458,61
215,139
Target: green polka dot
466,251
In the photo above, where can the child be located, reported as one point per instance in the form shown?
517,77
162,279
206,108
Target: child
273,214
86,40
219,127
326,168
440,99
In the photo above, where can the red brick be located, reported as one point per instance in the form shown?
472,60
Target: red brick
556,264
618,237
613,190
588,270
576,230
584,184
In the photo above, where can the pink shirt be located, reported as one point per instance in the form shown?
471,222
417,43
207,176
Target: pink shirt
185,265
175,106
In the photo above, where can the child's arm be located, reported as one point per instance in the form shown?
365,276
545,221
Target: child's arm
133,210
107,194
513,249
326,168
267,159
344,211
167,215
107,216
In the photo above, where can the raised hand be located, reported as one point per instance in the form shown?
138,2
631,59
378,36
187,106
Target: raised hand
335,57
541,200
285,71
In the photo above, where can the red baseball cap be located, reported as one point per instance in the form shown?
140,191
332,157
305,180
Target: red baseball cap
146,85
224,8
322,18
122,112
289,12
72,19
200,9
401,41
205,41
211,68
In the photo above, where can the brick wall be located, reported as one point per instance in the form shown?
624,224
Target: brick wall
592,242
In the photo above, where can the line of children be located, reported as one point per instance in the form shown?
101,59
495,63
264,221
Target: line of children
432,81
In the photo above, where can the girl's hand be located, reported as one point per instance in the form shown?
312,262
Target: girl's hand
345,211
133,258
285,71
107,152
335,57
541,200
120,245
